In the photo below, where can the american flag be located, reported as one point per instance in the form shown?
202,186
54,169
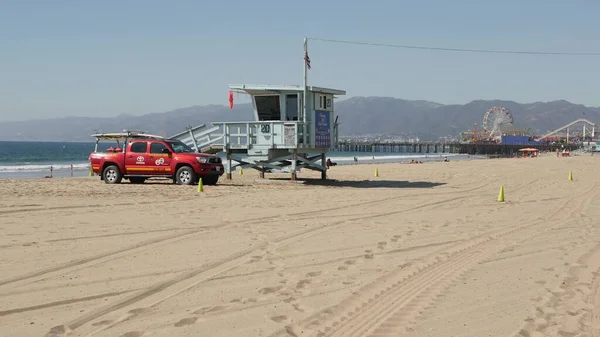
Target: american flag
307,59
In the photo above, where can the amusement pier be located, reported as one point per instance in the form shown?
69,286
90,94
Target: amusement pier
496,137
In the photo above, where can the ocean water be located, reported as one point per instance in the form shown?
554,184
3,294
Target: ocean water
20,160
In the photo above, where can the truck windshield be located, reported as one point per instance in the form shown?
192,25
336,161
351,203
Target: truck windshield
179,147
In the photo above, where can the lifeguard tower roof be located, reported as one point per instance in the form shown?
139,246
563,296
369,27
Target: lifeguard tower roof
259,88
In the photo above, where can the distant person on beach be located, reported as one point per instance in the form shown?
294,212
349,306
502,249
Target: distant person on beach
329,163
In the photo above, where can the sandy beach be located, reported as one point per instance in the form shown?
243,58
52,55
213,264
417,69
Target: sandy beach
421,250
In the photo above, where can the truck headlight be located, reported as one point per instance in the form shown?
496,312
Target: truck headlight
202,160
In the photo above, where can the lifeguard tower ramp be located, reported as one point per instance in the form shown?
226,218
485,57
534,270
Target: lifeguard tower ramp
288,131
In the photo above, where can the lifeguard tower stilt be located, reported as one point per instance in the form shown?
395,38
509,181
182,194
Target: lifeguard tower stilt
294,128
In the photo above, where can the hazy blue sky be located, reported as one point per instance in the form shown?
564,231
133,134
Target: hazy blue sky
63,58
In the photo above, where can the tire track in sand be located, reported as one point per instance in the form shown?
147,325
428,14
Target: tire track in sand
389,305
99,258
211,270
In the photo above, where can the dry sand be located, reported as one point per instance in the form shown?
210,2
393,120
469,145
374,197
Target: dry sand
423,250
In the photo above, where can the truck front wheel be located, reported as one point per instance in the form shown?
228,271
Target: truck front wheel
112,175
185,176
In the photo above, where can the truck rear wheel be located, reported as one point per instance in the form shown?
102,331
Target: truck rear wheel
185,176
112,175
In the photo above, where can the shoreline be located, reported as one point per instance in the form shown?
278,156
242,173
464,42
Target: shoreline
81,169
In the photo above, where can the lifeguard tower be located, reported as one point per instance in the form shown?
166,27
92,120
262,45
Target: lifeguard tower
294,127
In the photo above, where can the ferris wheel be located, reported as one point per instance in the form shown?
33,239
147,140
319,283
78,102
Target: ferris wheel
496,120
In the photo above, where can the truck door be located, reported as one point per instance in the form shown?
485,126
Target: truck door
160,161
136,159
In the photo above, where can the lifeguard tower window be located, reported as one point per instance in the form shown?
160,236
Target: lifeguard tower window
291,107
268,108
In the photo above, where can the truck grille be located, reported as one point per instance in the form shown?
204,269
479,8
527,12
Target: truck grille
214,160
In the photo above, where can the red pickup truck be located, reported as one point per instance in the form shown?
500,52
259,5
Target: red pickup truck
145,156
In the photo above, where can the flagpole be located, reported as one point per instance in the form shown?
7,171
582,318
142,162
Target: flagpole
305,106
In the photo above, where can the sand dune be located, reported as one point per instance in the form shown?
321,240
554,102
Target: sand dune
422,250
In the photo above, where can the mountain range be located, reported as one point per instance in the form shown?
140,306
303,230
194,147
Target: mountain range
357,115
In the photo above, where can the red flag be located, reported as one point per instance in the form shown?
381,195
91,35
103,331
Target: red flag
230,99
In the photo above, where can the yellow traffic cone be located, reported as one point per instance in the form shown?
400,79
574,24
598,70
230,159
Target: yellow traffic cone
200,186
376,172
501,194
570,175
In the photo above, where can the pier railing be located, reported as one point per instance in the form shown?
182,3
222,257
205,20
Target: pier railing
503,150
398,147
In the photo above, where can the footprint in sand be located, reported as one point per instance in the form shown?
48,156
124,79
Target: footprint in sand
381,244
207,310
186,321
313,274
396,238
132,334
293,330
302,284
59,330
346,264
269,290
368,254
279,319
105,322
139,311
297,307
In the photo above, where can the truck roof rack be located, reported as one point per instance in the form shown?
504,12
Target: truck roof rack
126,134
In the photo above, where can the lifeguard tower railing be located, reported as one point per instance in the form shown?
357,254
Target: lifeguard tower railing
254,136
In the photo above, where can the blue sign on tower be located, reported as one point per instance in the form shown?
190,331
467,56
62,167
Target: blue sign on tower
322,129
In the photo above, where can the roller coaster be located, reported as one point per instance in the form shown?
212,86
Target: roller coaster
580,129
